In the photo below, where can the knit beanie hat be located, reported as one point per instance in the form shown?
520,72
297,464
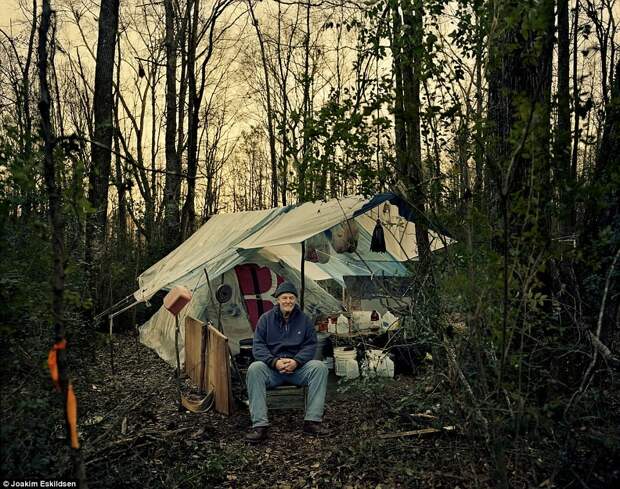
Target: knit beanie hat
286,288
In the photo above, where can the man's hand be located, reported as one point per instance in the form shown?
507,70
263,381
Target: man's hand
286,365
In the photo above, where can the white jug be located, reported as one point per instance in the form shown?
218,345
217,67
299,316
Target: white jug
342,325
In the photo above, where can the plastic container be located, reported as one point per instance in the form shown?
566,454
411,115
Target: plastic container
365,320
375,320
378,364
345,363
342,325
360,320
389,322
331,325
176,299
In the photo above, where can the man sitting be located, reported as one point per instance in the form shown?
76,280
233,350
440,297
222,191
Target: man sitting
284,347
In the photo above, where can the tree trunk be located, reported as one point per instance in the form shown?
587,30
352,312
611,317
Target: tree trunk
562,153
103,107
573,165
25,117
411,167
519,78
57,223
172,186
120,177
149,205
601,213
303,185
26,84
188,214
479,132
270,126
399,110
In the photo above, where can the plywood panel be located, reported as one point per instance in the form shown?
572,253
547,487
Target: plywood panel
218,371
194,350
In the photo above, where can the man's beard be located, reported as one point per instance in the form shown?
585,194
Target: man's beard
286,313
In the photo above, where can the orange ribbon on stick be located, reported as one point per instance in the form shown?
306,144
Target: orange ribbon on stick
71,400
52,362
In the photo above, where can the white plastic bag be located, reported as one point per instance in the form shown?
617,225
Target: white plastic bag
389,322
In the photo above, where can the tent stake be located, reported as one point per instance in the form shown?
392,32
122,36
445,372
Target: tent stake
303,275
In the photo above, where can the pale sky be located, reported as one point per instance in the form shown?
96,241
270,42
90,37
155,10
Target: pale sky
9,11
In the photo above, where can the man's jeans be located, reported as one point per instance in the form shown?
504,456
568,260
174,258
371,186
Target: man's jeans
260,377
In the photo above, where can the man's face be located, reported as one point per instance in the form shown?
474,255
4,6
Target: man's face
287,302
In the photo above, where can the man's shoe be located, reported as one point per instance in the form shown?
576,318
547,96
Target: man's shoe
315,428
258,434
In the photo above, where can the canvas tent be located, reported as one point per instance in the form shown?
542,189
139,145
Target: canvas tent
254,251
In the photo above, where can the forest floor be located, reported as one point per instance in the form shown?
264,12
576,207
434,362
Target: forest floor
133,434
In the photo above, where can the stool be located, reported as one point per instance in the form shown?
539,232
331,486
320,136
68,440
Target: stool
287,397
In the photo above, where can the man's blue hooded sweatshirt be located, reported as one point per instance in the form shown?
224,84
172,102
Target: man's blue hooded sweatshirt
277,338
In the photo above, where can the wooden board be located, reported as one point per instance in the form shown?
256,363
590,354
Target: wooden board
195,342
218,371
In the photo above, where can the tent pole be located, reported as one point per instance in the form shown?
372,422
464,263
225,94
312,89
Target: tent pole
111,326
303,275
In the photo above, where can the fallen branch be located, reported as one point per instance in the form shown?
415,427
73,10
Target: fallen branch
425,431
423,415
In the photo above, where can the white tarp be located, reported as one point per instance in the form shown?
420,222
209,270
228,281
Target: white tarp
220,243
301,222
211,247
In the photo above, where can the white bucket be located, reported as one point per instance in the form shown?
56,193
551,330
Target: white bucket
350,368
346,363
